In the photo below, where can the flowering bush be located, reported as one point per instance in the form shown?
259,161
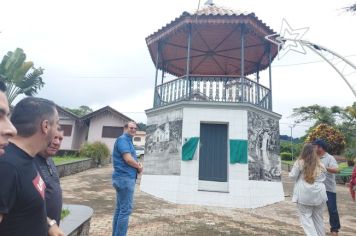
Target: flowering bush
332,136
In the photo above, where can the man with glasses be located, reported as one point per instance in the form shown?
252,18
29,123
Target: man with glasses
124,177
49,174
22,200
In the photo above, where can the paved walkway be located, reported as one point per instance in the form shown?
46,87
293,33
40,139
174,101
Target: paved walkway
153,216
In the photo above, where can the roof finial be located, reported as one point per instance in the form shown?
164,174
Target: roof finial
209,2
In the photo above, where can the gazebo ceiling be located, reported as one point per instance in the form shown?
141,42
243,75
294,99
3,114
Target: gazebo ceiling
215,43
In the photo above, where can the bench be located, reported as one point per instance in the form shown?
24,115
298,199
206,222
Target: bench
345,174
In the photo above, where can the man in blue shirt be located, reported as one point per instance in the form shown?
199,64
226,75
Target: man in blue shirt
124,177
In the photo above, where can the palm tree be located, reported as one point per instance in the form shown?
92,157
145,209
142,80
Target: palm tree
20,76
351,8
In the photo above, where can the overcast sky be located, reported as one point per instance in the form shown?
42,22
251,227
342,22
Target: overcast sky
94,52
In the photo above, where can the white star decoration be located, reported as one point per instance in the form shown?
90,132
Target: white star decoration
288,39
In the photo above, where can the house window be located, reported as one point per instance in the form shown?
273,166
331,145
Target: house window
137,139
112,131
67,130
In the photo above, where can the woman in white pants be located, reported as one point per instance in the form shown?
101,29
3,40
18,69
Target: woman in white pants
309,191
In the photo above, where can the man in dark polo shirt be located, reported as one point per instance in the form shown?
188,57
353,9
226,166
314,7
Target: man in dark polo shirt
49,174
22,206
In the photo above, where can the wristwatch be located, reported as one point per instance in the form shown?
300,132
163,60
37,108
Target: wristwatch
51,223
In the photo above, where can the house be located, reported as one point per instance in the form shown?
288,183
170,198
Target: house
105,125
140,138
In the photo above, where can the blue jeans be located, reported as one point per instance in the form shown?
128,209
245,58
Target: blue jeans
125,188
334,219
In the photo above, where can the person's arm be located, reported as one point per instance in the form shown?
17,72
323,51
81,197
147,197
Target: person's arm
123,147
53,228
131,161
333,166
294,174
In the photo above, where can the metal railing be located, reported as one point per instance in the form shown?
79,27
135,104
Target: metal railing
223,89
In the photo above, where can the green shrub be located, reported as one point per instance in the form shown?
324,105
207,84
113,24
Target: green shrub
286,156
334,138
97,150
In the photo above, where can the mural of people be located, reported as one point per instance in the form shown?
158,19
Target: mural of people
263,138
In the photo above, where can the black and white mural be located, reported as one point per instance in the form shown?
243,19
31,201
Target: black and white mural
263,148
163,144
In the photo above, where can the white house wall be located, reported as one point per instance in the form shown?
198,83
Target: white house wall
79,136
96,127
67,140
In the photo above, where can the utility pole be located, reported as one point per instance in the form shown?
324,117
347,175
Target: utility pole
291,139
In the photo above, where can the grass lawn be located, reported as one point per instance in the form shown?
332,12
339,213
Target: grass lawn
67,159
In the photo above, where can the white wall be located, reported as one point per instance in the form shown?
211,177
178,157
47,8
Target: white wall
79,135
67,140
242,193
96,126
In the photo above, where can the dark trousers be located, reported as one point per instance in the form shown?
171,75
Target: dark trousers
334,219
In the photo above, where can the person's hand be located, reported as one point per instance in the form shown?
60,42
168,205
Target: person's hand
140,169
54,230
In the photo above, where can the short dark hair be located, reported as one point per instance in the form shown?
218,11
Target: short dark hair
321,143
29,113
2,86
127,124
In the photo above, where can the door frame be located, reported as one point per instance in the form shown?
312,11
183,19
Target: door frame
215,186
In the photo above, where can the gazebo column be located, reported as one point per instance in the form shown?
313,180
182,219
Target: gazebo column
156,77
270,76
242,85
189,83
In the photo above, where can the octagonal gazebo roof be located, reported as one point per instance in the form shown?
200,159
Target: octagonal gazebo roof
215,43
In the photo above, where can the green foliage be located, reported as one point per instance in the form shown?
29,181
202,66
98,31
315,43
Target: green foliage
64,213
286,156
20,76
319,114
342,119
141,126
334,138
350,154
286,146
97,150
81,111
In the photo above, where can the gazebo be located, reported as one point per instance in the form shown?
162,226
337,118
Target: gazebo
212,137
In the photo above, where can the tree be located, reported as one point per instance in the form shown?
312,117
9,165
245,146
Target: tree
318,114
20,76
141,126
332,136
81,111
351,8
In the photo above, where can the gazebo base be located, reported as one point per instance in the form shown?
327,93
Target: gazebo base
184,190
213,154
